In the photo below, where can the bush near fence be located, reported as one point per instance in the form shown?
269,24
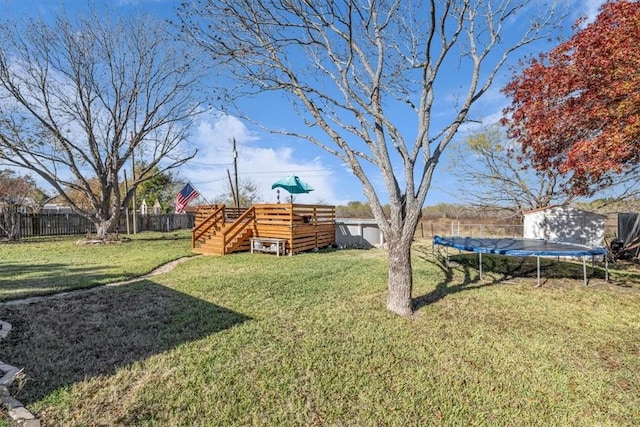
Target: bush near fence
39,225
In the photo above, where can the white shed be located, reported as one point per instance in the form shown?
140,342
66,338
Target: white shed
565,224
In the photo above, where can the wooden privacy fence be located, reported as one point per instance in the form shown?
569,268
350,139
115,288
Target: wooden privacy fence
304,227
68,224
163,222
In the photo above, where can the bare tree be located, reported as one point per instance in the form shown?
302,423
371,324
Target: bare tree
79,98
360,71
248,193
491,175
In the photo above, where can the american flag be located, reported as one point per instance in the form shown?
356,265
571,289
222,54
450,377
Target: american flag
187,194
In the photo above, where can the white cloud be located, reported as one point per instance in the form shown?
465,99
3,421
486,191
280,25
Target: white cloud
588,9
261,164
217,126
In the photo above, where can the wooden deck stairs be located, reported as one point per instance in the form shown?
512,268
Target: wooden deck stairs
216,236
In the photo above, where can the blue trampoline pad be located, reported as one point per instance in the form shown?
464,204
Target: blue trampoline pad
518,247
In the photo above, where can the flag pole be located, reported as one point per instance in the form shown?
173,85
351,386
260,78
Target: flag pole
200,194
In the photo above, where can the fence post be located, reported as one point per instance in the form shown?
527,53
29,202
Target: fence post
18,220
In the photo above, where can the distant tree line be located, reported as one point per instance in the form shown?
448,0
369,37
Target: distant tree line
358,209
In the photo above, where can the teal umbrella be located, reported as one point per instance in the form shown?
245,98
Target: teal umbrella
293,185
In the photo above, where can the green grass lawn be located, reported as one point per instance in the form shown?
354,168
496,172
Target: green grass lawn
306,340
50,265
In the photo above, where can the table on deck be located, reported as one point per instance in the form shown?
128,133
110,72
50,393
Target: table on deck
267,244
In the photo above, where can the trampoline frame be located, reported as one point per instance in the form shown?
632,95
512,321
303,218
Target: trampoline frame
545,249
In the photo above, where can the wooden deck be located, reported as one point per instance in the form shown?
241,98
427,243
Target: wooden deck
220,230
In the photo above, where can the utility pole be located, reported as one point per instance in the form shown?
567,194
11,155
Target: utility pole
133,180
235,171
233,193
126,209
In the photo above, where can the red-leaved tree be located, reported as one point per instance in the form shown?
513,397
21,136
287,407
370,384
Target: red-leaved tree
577,109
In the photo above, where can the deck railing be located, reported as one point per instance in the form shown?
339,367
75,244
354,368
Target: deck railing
215,218
238,226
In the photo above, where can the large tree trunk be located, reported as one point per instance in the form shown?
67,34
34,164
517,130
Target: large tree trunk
14,227
106,226
11,224
400,283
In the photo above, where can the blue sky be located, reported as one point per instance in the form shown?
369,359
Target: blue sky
263,157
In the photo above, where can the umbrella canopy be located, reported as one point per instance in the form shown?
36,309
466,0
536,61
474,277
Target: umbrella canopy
293,185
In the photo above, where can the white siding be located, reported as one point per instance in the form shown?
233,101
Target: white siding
565,224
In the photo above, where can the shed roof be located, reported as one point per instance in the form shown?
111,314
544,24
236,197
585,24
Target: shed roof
564,207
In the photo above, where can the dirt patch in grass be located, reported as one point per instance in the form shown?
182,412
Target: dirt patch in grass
94,334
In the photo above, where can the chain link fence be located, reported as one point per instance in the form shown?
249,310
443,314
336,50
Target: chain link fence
428,229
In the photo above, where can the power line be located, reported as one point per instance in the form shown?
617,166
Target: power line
289,171
292,172
252,173
207,182
209,164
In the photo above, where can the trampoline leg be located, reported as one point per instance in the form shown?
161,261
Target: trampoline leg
480,263
538,269
584,269
606,268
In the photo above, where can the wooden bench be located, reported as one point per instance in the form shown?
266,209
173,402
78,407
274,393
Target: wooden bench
268,245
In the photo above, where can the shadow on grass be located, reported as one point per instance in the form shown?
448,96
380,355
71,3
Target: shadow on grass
470,281
154,238
39,279
503,268
553,271
63,341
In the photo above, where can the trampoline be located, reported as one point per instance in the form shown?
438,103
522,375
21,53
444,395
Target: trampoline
523,248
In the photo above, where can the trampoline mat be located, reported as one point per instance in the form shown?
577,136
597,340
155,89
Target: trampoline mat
517,247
